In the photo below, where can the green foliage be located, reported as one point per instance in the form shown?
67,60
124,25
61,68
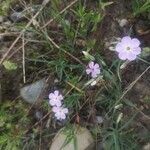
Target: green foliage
9,65
115,140
73,100
70,132
140,7
5,5
87,20
13,121
146,52
105,4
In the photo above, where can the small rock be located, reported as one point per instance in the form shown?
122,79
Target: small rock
16,16
38,115
146,147
99,119
93,83
7,23
1,38
83,137
1,19
32,92
123,22
56,81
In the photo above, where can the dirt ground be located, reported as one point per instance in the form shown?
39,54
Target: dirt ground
108,29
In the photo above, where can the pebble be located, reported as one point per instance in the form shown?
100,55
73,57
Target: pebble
83,138
99,119
147,147
38,115
16,16
32,92
1,19
123,22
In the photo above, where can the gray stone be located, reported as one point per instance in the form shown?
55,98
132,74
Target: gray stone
99,119
83,137
1,19
32,92
146,147
16,16
38,115
123,22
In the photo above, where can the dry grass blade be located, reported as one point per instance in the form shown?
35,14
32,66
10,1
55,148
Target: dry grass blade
57,46
22,32
23,60
133,83
127,90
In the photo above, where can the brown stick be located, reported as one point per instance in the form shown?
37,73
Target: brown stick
16,40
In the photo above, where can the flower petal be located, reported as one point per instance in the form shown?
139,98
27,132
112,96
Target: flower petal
126,40
91,64
131,56
51,96
52,102
136,51
122,56
97,71
94,74
63,116
96,66
135,42
88,71
60,97
58,103
65,110
119,47
58,116
56,92
55,109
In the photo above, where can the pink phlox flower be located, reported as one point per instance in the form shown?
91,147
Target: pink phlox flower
60,112
128,48
55,99
93,69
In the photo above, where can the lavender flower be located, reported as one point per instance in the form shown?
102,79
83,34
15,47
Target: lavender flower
128,48
60,112
93,69
55,99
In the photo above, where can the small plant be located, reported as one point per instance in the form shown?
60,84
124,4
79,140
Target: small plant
5,5
140,6
13,122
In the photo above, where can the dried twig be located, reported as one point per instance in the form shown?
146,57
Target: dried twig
128,89
57,46
23,60
22,32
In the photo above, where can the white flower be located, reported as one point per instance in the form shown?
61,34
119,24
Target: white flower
60,112
55,99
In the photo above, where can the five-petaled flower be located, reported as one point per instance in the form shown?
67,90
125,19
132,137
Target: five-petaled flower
93,69
60,112
55,99
128,48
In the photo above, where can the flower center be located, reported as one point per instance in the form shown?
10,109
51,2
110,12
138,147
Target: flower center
128,48
92,69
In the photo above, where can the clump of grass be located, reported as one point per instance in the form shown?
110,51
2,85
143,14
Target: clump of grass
5,6
140,7
13,122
